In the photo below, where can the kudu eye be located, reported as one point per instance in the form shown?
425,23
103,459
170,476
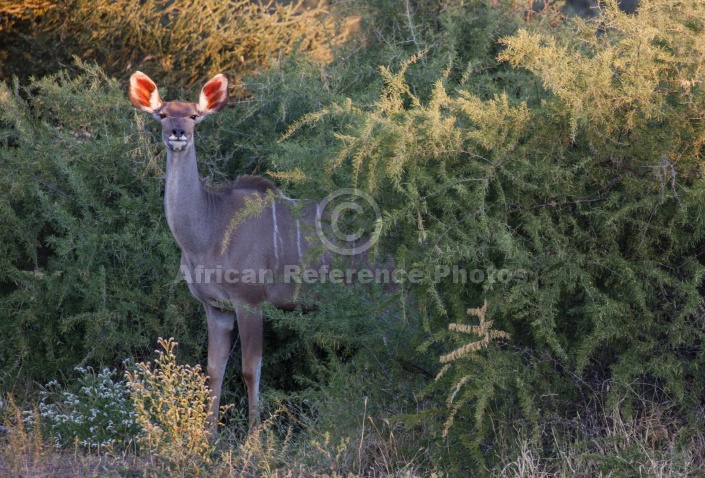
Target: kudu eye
162,115
194,117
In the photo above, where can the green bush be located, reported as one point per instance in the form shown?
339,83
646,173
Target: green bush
585,177
88,268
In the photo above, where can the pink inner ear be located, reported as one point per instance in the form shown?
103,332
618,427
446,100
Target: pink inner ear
213,91
212,87
143,90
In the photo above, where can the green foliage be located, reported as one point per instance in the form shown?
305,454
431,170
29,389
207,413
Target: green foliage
88,266
95,413
631,85
589,188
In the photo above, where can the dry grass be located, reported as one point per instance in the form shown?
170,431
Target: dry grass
26,453
653,444
171,405
274,450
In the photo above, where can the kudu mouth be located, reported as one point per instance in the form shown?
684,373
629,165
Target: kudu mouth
177,143
178,139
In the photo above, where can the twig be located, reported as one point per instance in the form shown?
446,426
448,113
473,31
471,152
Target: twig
362,437
411,27
54,189
564,203
384,371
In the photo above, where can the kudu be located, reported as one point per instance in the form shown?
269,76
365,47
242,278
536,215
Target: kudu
200,220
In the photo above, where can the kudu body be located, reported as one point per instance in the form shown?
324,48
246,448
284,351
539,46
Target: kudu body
200,219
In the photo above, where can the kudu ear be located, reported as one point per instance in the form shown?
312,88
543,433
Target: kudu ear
143,93
214,95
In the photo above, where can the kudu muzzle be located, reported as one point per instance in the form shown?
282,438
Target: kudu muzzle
177,136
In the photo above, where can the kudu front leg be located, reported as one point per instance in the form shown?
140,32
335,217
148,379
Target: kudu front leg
249,325
220,342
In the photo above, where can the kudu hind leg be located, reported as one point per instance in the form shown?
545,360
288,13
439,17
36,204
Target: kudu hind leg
249,325
220,342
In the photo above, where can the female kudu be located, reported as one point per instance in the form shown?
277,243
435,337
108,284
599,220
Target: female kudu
212,260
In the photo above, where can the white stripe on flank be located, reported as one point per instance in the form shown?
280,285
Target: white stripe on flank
281,240
275,233
298,239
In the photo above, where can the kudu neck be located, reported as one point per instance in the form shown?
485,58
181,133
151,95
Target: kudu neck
186,202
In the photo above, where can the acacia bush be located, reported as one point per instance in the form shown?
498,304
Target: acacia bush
89,267
585,173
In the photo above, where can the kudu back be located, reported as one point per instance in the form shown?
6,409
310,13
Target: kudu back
229,259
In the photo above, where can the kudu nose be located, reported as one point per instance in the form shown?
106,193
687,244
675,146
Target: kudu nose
178,132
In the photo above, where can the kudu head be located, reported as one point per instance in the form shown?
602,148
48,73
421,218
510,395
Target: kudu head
178,118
